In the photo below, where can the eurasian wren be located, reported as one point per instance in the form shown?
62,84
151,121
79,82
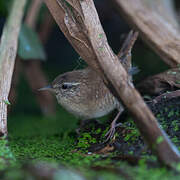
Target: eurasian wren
84,94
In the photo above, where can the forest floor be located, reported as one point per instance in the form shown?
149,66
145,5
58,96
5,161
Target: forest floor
39,147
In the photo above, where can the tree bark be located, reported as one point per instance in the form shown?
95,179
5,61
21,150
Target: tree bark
82,27
8,49
157,23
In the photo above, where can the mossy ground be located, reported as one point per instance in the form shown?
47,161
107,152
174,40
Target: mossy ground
35,139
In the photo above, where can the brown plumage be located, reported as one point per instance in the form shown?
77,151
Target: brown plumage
84,94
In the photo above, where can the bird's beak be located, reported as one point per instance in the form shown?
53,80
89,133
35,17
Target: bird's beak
46,88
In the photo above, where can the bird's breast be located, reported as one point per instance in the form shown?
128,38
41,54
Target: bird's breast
89,108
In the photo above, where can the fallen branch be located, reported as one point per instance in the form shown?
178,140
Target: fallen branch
33,12
168,95
82,27
159,83
8,49
157,25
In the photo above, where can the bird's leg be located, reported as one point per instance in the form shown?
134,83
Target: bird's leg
112,129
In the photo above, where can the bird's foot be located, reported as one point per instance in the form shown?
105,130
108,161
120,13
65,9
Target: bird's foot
112,130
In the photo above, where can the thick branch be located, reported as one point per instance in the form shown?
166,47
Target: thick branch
8,51
157,25
125,91
82,19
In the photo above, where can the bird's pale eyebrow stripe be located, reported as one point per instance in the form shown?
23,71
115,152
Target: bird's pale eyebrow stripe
71,83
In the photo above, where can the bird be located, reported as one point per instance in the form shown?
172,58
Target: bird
83,93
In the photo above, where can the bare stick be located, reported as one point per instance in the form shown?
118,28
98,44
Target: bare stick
83,29
8,49
166,96
157,28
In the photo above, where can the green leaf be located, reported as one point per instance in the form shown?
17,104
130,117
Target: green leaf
30,46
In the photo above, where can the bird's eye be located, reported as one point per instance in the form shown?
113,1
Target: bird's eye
66,86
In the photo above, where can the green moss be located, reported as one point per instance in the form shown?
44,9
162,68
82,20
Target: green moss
105,131
132,135
85,140
54,140
6,156
175,125
49,139
98,131
175,139
171,113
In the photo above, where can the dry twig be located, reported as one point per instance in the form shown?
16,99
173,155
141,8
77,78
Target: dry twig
8,49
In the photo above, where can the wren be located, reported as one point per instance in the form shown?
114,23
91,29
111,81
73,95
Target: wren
84,94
